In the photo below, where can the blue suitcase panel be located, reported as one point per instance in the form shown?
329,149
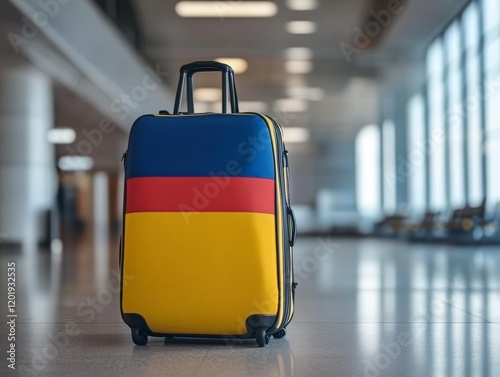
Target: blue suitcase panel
200,146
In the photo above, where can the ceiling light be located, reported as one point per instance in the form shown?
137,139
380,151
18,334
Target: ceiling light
302,4
61,136
306,93
301,27
224,9
298,66
291,105
76,163
207,94
295,134
298,53
237,64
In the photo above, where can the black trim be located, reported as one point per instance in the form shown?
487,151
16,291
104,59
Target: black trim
137,321
256,321
252,323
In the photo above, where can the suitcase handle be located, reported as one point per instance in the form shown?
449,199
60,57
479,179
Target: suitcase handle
293,224
186,75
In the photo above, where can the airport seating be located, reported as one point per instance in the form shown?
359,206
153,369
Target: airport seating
488,230
394,225
428,229
463,225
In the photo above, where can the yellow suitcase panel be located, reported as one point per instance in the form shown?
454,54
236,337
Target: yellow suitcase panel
197,277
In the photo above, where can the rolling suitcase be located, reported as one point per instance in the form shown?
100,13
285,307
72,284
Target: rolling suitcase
208,230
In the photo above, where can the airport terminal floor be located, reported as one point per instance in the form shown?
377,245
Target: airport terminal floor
364,307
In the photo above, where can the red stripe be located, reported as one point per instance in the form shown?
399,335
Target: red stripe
200,194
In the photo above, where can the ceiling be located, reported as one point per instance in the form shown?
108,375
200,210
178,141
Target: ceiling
351,89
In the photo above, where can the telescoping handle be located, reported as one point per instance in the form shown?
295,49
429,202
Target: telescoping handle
186,76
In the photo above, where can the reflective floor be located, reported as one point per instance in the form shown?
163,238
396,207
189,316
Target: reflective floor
364,308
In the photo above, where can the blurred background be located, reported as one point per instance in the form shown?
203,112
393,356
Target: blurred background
390,112
389,108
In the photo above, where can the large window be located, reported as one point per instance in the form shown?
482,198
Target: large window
461,115
456,160
463,112
368,171
491,15
473,103
417,154
437,134
389,164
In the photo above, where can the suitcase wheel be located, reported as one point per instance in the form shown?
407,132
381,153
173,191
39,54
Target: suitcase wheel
279,334
139,337
261,337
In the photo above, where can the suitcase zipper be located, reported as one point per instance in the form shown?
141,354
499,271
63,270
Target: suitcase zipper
288,285
287,267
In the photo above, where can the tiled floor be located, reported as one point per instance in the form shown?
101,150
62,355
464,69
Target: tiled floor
364,308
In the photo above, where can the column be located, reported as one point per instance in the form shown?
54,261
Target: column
27,171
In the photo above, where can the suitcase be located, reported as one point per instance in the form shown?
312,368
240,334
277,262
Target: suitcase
208,230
